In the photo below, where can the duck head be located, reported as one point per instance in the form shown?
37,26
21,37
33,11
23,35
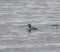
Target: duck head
29,25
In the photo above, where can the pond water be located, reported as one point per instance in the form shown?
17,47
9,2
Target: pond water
14,17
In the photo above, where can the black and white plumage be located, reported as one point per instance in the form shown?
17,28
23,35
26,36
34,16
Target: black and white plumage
31,28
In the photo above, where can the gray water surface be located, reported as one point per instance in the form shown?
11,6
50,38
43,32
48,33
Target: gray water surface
14,17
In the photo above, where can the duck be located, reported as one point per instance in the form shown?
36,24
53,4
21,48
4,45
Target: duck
31,28
54,25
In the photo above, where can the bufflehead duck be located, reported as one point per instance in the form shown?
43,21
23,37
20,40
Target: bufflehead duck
54,25
31,28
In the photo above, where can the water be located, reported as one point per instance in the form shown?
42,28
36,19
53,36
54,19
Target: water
14,17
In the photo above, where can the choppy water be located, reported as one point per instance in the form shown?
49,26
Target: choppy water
14,17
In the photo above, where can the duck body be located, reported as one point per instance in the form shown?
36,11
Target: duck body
31,28
54,25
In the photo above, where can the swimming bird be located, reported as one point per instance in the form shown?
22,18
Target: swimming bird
31,28
54,25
